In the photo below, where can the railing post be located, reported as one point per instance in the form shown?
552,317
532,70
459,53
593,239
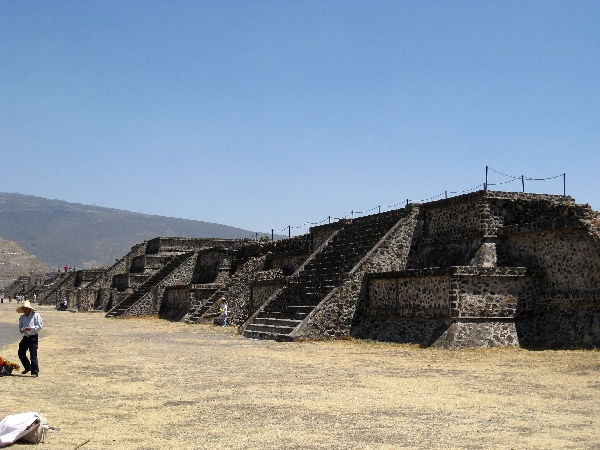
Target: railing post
565,184
486,179
272,234
289,231
523,182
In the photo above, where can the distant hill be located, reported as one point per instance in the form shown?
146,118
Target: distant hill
15,262
61,233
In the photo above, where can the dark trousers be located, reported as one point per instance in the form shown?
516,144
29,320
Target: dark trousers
29,343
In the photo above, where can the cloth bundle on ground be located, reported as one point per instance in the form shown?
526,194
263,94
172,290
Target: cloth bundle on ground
28,427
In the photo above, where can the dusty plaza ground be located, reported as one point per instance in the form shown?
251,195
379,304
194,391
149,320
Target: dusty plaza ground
152,384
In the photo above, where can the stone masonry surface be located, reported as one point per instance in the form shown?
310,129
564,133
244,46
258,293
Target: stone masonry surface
482,269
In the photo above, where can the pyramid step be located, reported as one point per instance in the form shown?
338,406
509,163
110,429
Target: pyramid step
267,336
275,321
304,308
299,316
269,328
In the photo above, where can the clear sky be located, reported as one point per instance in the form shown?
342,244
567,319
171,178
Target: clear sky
264,114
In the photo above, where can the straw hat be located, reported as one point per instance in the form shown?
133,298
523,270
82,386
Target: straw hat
25,304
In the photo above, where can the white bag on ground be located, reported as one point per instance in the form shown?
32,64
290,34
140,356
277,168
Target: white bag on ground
29,427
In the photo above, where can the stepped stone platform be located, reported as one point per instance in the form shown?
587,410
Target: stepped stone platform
482,269
492,268
169,262
145,290
326,269
477,270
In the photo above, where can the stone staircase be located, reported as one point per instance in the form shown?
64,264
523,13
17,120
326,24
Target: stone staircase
232,287
53,295
322,273
201,309
159,276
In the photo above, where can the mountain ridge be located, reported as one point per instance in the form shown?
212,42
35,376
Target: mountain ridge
63,233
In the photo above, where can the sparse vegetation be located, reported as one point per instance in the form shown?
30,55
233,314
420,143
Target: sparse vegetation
121,384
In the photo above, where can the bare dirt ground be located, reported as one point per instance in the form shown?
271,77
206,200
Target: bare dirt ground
152,384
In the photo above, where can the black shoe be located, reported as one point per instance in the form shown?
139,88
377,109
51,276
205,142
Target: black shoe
25,371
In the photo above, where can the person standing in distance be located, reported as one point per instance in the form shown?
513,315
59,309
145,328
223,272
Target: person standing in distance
30,324
223,310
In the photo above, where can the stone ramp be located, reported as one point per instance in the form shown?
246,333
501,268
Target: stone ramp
145,288
322,273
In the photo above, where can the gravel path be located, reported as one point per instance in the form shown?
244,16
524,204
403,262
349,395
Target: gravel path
152,384
9,332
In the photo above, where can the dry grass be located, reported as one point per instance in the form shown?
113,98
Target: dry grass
152,384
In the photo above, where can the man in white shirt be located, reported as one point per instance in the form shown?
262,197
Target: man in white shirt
30,324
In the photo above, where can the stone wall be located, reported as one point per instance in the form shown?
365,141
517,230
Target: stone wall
287,263
569,259
261,293
561,326
445,333
481,213
142,263
179,244
129,281
415,297
209,258
150,303
465,292
452,307
595,222
443,254
101,289
265,284
177,297
56,293
525,209
231,265
540,286
114,298
203,292
482,269
179,300
212,263
452,219
74,287
85,297
255,249
494,296
237,291
122,265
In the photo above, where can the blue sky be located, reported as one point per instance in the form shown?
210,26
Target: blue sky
264,114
